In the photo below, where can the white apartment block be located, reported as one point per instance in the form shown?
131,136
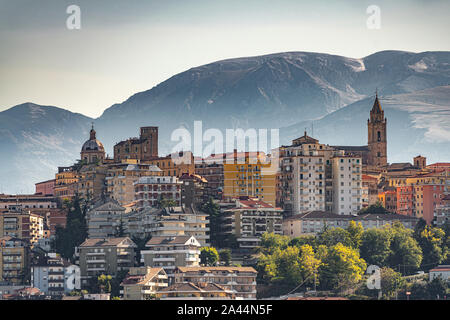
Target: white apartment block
347,184
149,191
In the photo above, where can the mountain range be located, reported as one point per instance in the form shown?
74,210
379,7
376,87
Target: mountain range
328,95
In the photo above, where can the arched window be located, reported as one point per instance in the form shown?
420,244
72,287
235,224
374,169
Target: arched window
379,135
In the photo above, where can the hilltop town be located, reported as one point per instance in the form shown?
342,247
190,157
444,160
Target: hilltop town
141,226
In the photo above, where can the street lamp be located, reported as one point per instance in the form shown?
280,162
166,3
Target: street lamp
408,293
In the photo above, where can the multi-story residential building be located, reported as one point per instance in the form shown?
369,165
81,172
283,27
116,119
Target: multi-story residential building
441,271
313,222
199,291
55,217
45,188
442,211
175,164
248,219
150,191
104,217
388,199
55,276
211,168
14,260
105,256
21,224
192,190
65,183
249,174
91,182
121,177
240,280
177,221
25,201
369,190
347,184
143,283
171,252
304,180
143,148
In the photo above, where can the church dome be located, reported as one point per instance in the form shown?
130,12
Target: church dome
92,144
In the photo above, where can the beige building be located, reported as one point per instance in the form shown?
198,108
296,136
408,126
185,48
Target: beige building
150,191
21,224
121,177
143,283
171,252
240,280
14,260
104,217
105,256
347,184
248,219
177,221
199,291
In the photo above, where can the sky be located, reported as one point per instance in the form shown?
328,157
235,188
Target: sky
124,47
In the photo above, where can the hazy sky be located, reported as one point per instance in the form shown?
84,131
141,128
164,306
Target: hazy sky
125,47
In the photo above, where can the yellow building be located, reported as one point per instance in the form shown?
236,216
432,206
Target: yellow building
65,182
175,167
246,176
14,260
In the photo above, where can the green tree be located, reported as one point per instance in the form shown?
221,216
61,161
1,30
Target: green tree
431,241
272,241
333,236
376,246
437,288
104,283
225,256
302,240
376,208
215,225
167,203
120,228
209,256
355,232
391,282
406,254
342,268
140,245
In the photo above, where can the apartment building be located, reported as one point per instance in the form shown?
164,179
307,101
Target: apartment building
193,190
171,252
211,168
240,280
21,224
248,219
175,164
65,183
55,276
150,191
144,283
14,260
313,222
177,221
45,188
249,174
121,177
27,201
105,256
191,291
442,211
104,217
369,190
388,199
347,184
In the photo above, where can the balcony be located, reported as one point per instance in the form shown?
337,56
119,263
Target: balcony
163,259
96,261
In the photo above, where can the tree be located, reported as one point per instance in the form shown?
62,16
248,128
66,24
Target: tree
437,288
272,241
376,208
431,240
333,236
225,256
120,229
342,268
302,240
140,245
167,203
215,225
391,282
375,246
355,232
406,254
104,283
208,256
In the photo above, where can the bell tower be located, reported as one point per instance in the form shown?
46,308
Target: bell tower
377,139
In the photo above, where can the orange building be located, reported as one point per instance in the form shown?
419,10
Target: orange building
389,200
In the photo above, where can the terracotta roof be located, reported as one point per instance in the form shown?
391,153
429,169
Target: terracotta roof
141,279
211,269
367,177
104,242
167,240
